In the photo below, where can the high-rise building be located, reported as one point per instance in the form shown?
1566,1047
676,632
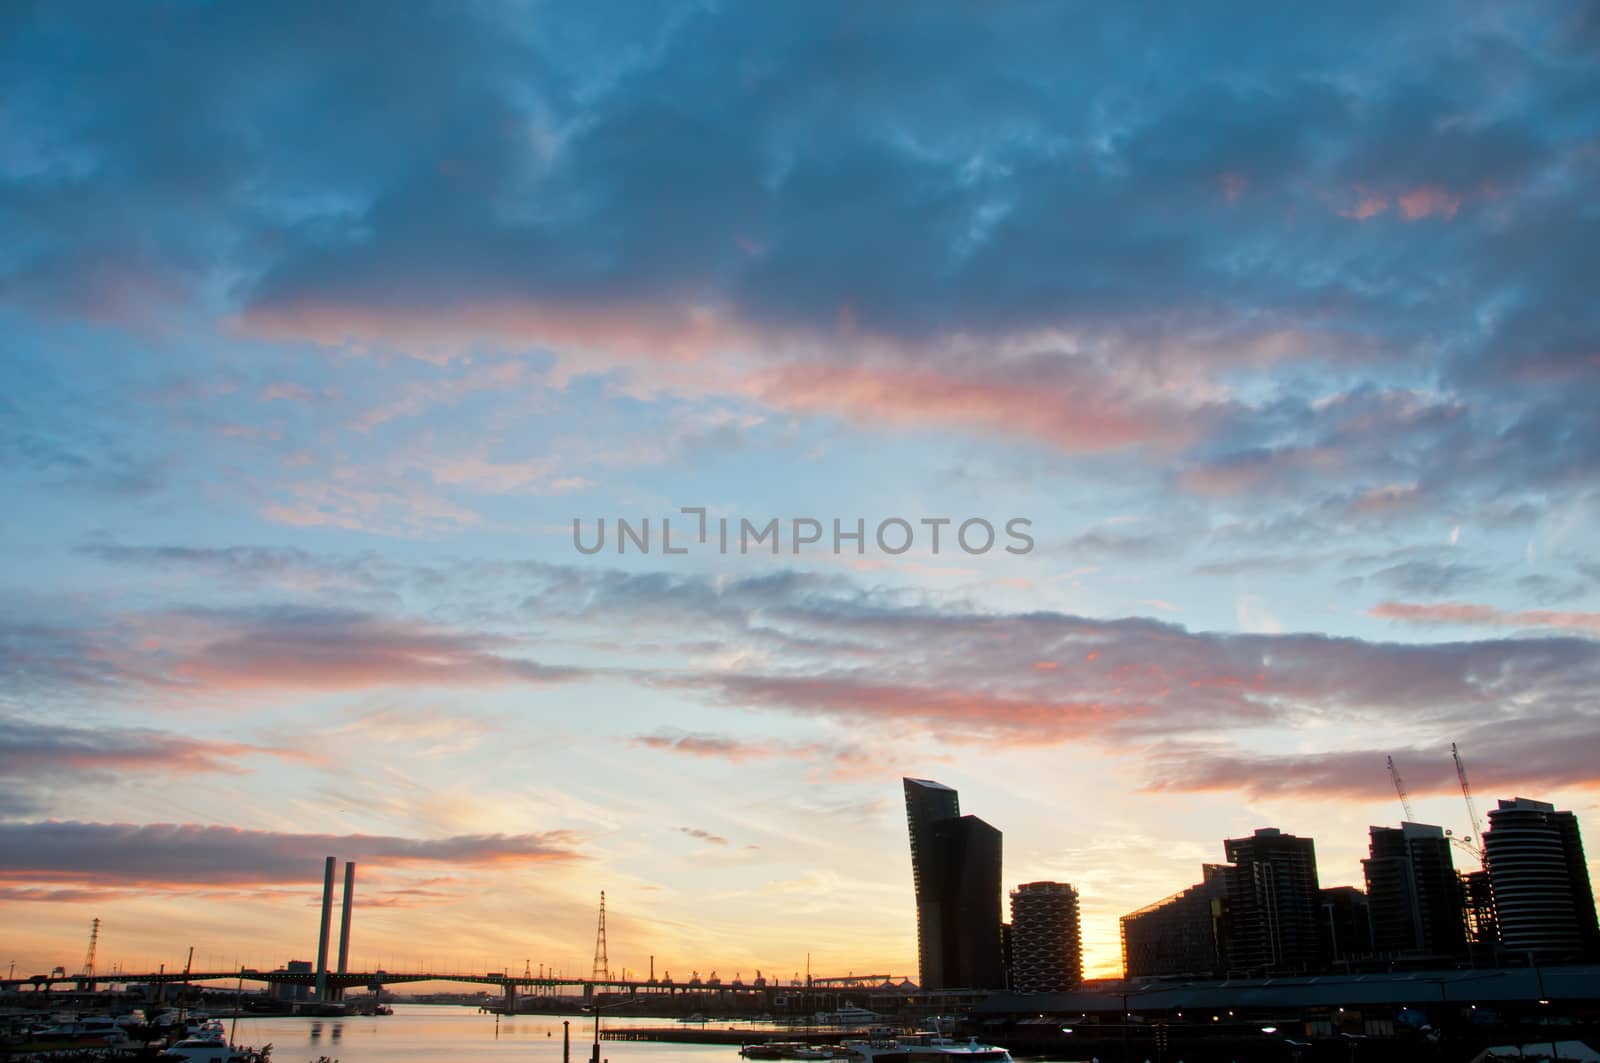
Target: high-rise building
1346,924
1477,896
1414,893
1182,934
1542,895
1046,942
955,869
1273,902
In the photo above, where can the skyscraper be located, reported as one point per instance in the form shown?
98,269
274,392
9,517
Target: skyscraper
955,869
1046,941
1413,892
1273,902
1542,895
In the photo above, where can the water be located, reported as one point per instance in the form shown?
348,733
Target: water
460,1035
442,1034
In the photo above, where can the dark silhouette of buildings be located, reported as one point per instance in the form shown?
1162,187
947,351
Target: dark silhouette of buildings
1181,934
955,867
1477,900
1046,953
1542,895
1273,903
1265,913
1346,924
1414,893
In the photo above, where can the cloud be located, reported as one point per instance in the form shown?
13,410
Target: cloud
1466,613
703,835
872,661
829,243
40,751
1057,400
263,649
1538,754
706,745
1429,578
161,855
333,650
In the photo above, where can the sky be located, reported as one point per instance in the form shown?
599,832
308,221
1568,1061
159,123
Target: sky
322,325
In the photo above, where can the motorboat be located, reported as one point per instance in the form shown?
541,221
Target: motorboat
87,1030
849,1015
930,1047
206,1050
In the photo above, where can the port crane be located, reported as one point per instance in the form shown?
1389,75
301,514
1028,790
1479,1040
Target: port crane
1400,788
1474,844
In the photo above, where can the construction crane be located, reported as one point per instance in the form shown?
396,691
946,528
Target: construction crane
94,944
1472,808
1400,788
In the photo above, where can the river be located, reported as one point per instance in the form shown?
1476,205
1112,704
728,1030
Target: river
441,1034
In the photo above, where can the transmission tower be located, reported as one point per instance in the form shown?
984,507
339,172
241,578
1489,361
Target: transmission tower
94,943
88,958
602,964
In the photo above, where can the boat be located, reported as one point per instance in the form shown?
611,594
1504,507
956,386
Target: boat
205,1050
208,1030
772,1050
87,1030
849,1015
930,1047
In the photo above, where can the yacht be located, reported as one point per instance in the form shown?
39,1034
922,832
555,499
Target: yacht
212,1050
929,1047
849,1015
87,1030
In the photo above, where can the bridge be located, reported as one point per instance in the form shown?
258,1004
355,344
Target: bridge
329,983
511,986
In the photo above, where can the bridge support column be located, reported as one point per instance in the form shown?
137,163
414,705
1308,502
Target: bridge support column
327,925
588,992
510,1006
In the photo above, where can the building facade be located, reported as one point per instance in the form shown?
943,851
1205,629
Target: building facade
1183,934
1414,893
1543,899
1482,925
955,868
1273,899
1346,924
1046,953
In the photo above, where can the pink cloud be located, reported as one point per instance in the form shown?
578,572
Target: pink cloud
1369,204
322,650
1069,407
1428,201
1233,185
1485,616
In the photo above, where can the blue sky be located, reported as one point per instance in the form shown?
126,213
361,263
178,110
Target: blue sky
322,325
